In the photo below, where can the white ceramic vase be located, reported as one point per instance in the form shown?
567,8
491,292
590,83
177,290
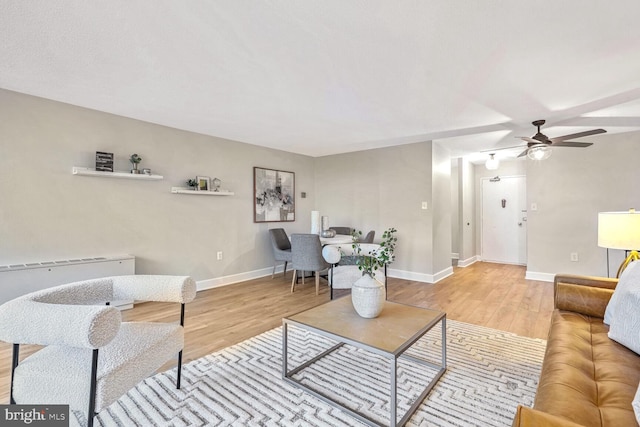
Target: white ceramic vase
368,296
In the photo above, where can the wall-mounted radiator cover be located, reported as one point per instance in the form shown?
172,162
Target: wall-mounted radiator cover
20,279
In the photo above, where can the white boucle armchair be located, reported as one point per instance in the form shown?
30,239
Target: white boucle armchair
91,357
344,270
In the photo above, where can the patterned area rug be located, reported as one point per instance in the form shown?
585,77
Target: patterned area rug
489,372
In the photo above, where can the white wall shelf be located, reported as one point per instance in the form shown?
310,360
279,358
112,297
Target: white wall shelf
185,190
116,174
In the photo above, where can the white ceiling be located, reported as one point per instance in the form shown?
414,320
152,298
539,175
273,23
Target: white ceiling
323,77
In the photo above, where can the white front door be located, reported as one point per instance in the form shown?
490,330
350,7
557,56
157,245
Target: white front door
504,220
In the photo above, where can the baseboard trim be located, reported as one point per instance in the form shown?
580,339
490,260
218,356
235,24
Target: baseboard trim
217,282
420,277
467,262
235,278
541,277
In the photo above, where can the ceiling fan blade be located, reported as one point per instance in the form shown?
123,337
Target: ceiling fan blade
531,140
524,153
577,135
571,144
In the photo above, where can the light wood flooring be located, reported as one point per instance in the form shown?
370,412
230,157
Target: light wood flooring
486,294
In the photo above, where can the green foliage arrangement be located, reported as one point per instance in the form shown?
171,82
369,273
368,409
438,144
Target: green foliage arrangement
371,261
192,183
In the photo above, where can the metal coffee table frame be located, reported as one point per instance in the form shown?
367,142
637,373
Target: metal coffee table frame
392,356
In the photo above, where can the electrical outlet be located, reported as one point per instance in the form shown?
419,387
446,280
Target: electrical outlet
219,255
424,205
534,206
574,256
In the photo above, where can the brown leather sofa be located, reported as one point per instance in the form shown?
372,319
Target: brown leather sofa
587,379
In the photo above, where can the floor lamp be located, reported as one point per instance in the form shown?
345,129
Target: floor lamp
620,230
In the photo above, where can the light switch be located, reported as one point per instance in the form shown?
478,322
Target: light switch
534,206
424,205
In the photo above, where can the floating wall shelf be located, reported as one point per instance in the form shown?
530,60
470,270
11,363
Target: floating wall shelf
116,174
185,190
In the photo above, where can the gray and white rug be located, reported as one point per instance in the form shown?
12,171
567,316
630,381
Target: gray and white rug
489,372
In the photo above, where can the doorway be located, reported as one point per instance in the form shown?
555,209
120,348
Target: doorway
504,220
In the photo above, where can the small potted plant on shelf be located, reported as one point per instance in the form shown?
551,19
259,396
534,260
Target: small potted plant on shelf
135,159
193,184
368,293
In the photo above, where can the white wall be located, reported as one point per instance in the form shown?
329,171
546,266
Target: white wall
570,188
46,213
441,211
382,188
466,218
455,207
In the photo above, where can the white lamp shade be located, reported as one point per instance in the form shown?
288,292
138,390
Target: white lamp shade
619,230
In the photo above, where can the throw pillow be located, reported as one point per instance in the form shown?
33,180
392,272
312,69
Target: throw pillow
630,278
625,323
636,405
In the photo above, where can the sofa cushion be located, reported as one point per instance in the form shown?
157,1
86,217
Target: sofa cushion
625,324
636,405
586,377
629,279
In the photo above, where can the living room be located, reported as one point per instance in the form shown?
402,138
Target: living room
60,109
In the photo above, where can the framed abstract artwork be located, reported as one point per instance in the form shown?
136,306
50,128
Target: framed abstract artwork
274,194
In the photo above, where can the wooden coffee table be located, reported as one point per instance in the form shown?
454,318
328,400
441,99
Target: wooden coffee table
397,328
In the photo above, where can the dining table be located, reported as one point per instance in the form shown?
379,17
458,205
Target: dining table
338,239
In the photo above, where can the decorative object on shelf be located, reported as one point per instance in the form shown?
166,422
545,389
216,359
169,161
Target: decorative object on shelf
328,233
274,195
204,182
193,184
146,171
215,184
104,161
368,293
135,159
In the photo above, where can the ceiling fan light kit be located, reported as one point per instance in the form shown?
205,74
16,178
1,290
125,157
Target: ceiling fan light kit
492,163
539,152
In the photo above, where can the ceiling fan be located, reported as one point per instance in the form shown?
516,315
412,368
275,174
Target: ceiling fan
539,145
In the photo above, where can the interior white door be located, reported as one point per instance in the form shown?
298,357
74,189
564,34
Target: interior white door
504,220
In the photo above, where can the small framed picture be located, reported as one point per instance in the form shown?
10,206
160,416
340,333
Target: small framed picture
204,183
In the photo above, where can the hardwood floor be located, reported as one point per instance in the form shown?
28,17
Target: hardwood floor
492,295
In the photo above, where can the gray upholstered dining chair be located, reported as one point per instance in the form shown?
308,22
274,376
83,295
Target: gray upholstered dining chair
342,230
281,249
306,253
368,238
